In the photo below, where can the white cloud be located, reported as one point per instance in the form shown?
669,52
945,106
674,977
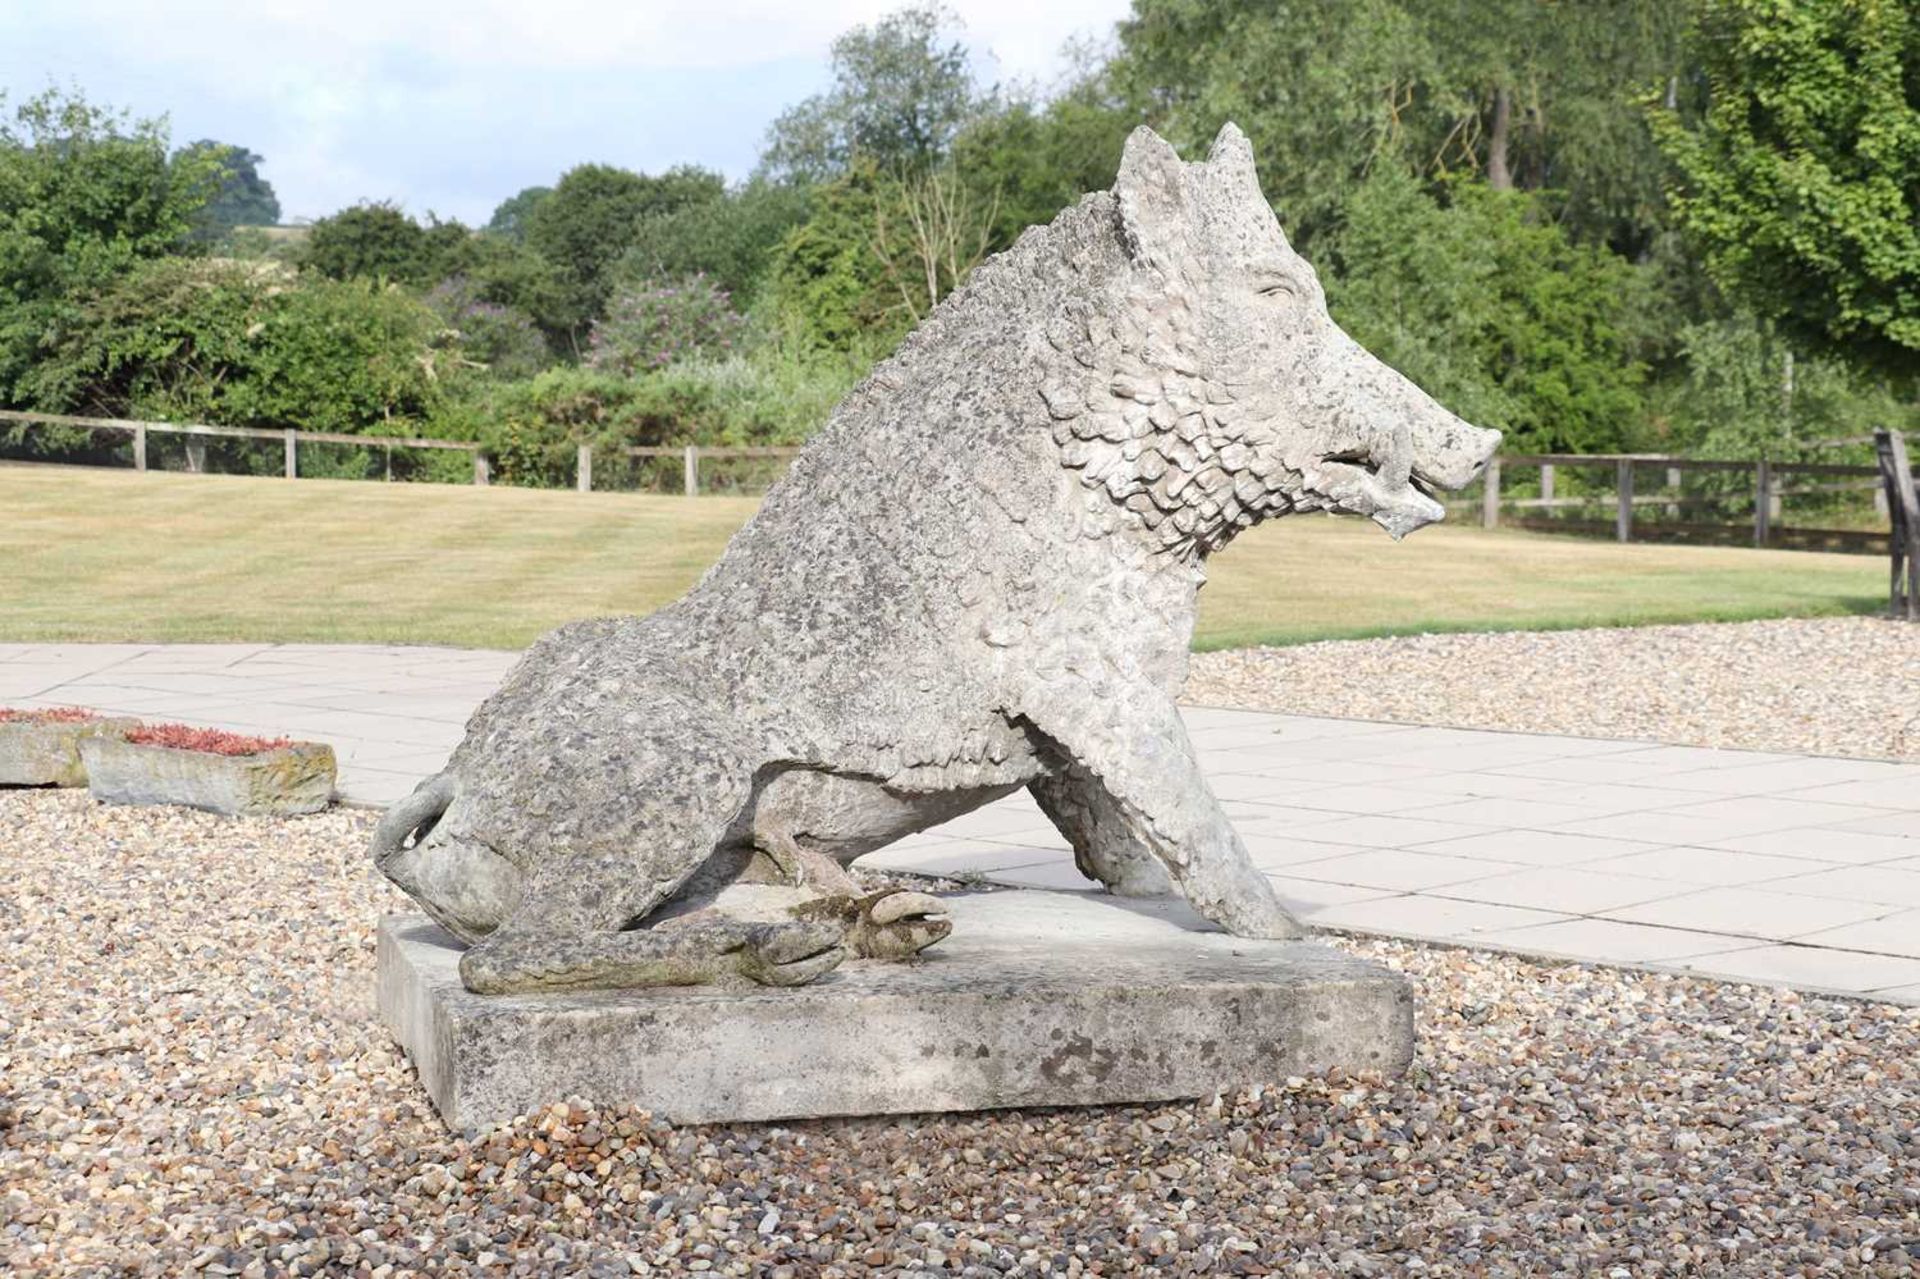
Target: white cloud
453,107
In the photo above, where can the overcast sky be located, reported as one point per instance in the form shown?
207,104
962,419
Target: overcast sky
450,108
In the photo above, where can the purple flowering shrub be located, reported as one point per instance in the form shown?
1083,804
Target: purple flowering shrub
504,340
656,323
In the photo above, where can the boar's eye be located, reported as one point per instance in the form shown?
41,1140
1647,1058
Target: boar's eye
1274,287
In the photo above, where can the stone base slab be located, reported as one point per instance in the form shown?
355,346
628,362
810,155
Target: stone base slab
1037,999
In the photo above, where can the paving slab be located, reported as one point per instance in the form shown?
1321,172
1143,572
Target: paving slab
1570,826
1037,999
1625,943
1811,966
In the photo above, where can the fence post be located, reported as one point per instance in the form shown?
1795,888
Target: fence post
1546,481
1762,501
690,465
583,477
1490,496
293,465
140,446
1623,517
482,471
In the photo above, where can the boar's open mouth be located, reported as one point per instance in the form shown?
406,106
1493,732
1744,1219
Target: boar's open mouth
1396,497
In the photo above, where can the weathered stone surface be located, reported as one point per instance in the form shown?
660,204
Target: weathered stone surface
47,753
1039,999
278,783
980,575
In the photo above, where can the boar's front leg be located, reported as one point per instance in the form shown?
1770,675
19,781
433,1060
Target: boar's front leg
1106,841
1126,753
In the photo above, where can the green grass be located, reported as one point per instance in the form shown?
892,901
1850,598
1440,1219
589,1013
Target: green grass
91,554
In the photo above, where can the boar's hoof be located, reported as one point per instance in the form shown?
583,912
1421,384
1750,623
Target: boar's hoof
792,954
893,923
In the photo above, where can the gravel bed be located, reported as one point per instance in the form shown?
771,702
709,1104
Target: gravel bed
1828,686
194,1080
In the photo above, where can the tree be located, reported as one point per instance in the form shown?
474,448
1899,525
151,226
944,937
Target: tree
929,230
731,239
244,198
246,344
378,241
1542,96
85,193
826,286
1800,182
594,215
1041,157
1527,94
903,88
509,220
1488,305
1323,88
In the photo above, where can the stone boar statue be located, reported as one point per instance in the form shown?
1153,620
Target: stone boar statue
981,575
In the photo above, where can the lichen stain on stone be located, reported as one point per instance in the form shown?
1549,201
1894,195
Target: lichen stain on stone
1058,1067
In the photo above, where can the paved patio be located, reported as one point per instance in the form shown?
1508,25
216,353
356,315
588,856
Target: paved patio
1775,869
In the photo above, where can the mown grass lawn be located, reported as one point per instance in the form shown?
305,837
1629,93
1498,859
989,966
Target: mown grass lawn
94,554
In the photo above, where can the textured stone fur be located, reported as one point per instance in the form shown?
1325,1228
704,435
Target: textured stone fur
981,574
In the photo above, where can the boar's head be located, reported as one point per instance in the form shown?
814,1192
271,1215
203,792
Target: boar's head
1222,391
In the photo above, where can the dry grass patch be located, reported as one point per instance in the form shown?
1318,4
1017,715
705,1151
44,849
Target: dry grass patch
104,555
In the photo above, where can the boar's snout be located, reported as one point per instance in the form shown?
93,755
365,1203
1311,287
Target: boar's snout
1405,449
1448,453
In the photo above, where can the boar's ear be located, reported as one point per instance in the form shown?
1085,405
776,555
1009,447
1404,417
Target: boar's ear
1152,194
1231,158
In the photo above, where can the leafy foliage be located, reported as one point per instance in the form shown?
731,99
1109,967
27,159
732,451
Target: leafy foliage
1488,306
244,198
903,88
827,287
509,220
1526,94
773,395
731,239
1483,184
1745,392
1036,158
247,344
660,322
594,215
498,338
378,241
85,194
1801,182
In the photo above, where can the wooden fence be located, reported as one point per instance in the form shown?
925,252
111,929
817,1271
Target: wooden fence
1620,502
291,439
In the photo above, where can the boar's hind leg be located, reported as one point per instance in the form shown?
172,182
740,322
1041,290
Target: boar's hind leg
1129,742
571,929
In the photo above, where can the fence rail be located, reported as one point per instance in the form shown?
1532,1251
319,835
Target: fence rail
691,455
290,438
1623,498
1620,504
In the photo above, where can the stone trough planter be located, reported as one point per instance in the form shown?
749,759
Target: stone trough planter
42,747
201,768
